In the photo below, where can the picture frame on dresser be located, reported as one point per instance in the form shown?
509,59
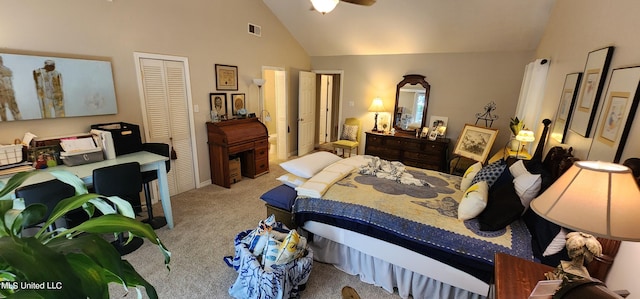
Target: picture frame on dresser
218,103
616,116
565,107
591,86
475,142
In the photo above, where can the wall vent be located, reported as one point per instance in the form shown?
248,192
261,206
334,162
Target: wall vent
255,29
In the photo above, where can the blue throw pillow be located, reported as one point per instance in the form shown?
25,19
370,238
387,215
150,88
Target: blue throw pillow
490,173
281,197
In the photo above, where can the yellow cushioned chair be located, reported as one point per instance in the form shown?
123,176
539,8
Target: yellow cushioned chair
347,140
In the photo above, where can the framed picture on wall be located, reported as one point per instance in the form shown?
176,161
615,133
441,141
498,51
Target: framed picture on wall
565,107
591,86
226,77
475,142
616,116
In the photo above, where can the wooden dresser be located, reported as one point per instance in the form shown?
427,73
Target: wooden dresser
411,151
246,139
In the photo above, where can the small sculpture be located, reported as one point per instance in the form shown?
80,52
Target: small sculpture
581,248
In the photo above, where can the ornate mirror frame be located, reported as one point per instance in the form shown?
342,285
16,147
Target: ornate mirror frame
411,79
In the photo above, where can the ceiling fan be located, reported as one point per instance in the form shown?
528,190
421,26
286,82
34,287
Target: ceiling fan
325,6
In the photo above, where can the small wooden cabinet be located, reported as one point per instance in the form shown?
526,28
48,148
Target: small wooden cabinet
244,138
411,151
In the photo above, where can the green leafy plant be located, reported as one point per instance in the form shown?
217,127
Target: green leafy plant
68,262
516,125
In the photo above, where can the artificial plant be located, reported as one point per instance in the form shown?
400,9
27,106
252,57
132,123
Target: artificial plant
516,125
67,262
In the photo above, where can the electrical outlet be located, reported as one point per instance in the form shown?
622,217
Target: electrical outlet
352,103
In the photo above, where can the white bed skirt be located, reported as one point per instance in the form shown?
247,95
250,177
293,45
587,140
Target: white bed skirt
378,271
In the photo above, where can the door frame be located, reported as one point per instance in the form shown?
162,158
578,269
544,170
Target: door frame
192,134
341,96
282,105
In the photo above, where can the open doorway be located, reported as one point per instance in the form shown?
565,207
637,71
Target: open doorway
274,113
329,103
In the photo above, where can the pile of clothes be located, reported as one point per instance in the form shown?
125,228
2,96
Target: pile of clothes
272,262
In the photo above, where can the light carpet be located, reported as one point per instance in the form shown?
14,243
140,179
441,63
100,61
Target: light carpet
206,222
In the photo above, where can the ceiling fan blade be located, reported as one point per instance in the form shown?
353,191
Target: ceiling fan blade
360,2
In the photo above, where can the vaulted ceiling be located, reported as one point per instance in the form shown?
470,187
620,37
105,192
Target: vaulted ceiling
416,26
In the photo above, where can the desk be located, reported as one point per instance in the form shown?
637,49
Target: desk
515,277
148,161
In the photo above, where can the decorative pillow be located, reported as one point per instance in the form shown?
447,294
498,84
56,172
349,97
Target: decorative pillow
282,197
490,173
557,244
308,165
502,208
291,180
473,201
469,175
517,169
349,132
527,187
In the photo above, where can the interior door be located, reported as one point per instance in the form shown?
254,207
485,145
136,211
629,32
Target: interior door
306,112
167,117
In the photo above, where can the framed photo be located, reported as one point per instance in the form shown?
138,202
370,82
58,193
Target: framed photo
616,116
226,77
218,103
439,124
475,142
591,86
567,101
237,102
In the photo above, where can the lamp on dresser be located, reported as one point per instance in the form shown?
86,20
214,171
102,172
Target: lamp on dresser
377,107
592,198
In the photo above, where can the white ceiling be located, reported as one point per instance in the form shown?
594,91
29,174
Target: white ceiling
416,26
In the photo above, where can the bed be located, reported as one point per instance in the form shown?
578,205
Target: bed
407,235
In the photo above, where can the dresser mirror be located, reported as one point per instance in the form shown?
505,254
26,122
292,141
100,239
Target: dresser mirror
412,100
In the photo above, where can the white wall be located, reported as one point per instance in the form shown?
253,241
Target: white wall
461,85
575,28
205,31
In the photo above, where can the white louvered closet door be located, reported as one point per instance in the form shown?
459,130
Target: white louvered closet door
167,116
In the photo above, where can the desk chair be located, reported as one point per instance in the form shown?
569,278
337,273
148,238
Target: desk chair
150,176
48,193
347,139
124,181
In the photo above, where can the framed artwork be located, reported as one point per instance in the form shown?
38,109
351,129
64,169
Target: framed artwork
38,87
616,116
226,77
567,101
475,142
591,86
439,124
237,102
218,103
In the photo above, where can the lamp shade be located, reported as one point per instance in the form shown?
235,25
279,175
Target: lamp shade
598,198
324,6
376,105
259,82
525,136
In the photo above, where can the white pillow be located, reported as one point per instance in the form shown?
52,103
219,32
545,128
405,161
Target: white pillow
527,187
308,165
291,180
473,201
557,243
517,169
468,175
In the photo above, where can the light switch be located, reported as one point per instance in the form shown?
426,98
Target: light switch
352,103
196,108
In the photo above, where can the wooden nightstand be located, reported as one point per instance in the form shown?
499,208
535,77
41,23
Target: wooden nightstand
515,278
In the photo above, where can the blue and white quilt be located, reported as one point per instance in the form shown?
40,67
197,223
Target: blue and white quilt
420,218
